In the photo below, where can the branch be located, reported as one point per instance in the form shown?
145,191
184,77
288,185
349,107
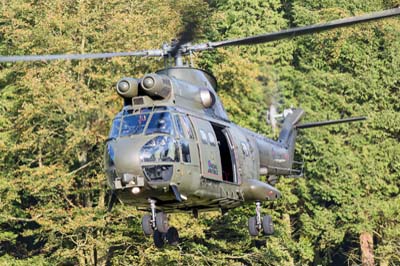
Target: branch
80,168
18,219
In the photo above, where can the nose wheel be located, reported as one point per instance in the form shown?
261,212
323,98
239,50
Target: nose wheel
257,223
156,224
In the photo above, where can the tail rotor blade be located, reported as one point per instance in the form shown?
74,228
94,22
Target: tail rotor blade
331,122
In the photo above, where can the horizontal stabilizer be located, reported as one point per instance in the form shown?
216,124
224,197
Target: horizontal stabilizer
331,122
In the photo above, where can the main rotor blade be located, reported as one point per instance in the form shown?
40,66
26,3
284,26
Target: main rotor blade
156,53
289,33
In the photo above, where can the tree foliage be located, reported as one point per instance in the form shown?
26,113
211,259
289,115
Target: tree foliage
54,118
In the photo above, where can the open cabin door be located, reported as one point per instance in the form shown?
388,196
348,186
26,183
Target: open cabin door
210,161
244,154
227,154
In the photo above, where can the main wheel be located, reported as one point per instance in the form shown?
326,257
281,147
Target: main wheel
253,229
159,239
162,222
146,225
268,226
173,236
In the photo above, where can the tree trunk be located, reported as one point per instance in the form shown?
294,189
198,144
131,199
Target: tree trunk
367,249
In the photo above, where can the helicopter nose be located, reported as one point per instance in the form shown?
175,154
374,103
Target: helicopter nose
126,156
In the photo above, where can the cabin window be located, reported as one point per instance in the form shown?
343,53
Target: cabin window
211,138
133,124
245,150
188,127
203,136
160,123
249,145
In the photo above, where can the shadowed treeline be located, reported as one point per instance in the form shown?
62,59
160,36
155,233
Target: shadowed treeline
55,116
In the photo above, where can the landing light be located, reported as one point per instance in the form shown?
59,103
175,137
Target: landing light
135,190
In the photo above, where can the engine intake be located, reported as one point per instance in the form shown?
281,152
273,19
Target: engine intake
127,87
156,85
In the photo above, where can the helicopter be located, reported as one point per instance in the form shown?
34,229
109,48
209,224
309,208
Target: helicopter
173,148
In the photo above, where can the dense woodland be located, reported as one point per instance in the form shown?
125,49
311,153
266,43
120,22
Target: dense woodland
55,116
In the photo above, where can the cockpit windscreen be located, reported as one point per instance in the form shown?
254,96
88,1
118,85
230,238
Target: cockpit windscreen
133,124
161,123
127,125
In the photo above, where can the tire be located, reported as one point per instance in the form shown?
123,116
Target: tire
162,222
173,236
146,225
268,226
158,238
253,230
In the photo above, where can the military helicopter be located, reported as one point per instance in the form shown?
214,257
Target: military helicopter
173,148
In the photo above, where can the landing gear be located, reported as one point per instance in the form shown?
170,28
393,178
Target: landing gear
162,222
172,236
159,239
156,224
253,227
268,226
256,224
147,225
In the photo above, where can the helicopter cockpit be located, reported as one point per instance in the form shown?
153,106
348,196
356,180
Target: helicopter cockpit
129,123
158,151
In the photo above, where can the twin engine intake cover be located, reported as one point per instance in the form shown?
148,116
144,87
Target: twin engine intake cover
159,86
128,87
156,85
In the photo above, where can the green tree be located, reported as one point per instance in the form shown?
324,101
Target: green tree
54,118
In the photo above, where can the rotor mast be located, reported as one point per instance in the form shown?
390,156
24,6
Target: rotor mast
178,60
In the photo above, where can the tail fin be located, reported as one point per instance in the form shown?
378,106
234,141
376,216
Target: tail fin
287,136
288,133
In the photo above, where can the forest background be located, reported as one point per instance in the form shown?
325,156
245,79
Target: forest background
55,116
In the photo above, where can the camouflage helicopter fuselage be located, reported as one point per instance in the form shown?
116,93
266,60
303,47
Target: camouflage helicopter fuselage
173,142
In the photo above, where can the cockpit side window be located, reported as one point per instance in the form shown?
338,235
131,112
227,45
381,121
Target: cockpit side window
188,126
160,123
115,128
182,140
179,126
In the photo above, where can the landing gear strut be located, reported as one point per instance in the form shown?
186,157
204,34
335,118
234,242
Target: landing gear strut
156,224
256,224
